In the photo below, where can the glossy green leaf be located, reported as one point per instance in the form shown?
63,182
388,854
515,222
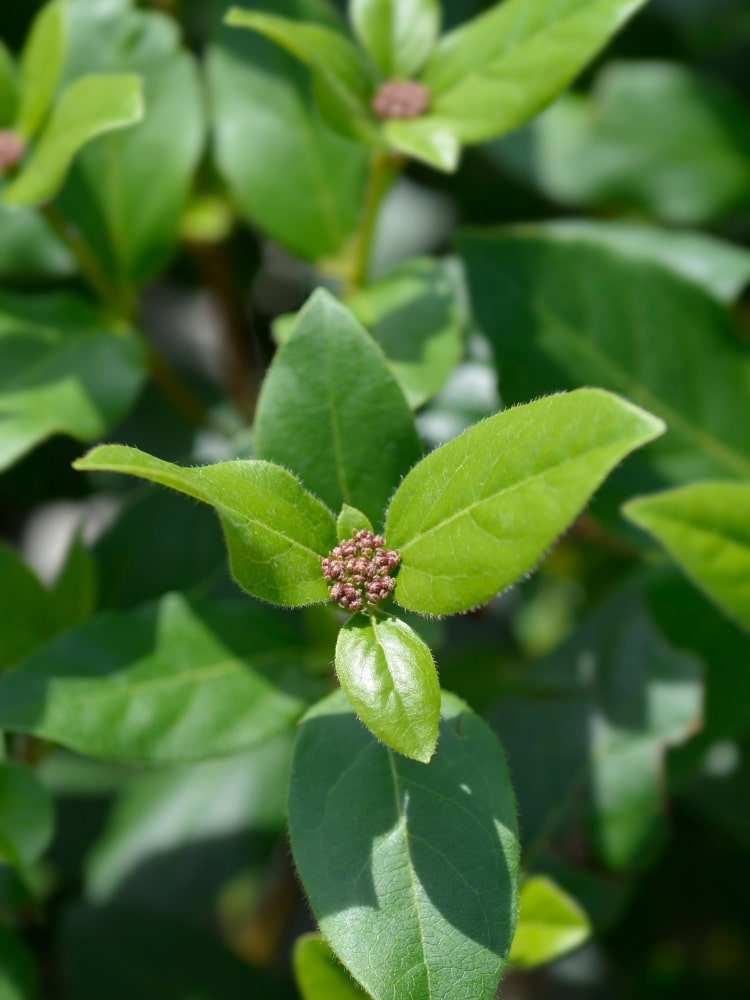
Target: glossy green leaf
398,35
319,976
87,108
40,67
343,84
127,212
482,510
8,87
545,298
410,870
550,924
433,141
705,527
331,411
169,682
350,520
26,817
389,677
270,140
17,974
177,835
123,952
610,700
653,138
275,531
63,370
491,75
415,315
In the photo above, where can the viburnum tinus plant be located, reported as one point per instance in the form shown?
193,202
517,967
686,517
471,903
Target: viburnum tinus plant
405,629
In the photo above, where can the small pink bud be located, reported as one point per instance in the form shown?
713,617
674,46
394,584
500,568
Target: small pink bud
401,99
12,148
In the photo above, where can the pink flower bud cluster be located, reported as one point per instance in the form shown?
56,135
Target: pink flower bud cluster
401,99
358,570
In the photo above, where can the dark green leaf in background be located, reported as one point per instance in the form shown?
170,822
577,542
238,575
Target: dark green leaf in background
270,140
332,412
706,528
410,870
26,817
63,369
319,976
550,924
17,973
29,249
398,35
563,310
388,675
171,682
481,511
275,530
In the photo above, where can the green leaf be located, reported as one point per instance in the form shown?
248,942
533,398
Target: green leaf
545,299
491,75
319,976
705,527
31,621
654,138
29,250
398,35
127,212
397,859
550,924
430,140
270,140
481,511
26,817
8,87
388,675
74,592
174,681
350,520
275,531
41,65
17,974
331,411
63,370
87,108
343,83
175,961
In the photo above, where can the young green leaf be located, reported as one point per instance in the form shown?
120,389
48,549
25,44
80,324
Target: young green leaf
350,520
331,411
26,817
169,682
398,35
8,87
87,108
705,527
545,299
388,674
275,530
343,84
41,65
550,924
491,75
397,859
431,140
480,511
319,976
63,370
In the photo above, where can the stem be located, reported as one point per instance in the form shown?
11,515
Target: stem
384,169
175,390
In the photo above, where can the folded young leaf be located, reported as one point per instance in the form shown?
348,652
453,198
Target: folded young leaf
550,924
494,73
388,674
332,412
398,35
399,859
343,83
41,65
275,530
705,527
319,976
87,108
169,682
481,511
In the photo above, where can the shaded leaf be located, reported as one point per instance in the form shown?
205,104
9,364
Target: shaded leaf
8,87
174,681
275,531
26,817
480,511
87,108
17,974
705,527
550,924
331,411
398,858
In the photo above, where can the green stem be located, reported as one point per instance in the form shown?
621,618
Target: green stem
384,169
